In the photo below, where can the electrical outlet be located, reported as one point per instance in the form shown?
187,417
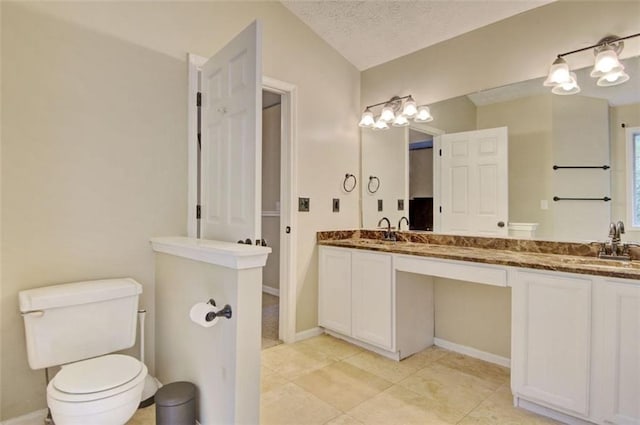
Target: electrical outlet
379,204
336,205
303,204
544,204
400,204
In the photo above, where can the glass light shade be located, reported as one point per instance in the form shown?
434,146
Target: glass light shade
424,114
410,109
367,119
387,114
613,79
380,125
400,121
558,73
570,87
606,61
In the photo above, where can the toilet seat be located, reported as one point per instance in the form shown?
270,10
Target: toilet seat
96,378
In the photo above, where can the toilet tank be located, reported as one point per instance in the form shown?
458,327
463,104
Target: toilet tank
74,321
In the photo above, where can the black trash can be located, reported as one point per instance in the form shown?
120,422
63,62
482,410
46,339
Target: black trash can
176,404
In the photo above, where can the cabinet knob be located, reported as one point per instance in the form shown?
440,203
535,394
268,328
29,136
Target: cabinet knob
501,224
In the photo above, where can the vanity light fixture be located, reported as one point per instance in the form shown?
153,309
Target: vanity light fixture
396,111
607,67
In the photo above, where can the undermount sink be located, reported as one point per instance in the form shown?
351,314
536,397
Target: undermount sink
600,262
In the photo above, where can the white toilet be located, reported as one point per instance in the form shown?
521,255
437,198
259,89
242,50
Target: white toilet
76,326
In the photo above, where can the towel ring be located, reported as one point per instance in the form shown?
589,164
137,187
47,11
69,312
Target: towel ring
374,184
347,177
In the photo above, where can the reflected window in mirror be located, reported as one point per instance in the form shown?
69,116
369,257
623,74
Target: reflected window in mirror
633,154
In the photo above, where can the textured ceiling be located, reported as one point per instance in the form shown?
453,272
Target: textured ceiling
368,33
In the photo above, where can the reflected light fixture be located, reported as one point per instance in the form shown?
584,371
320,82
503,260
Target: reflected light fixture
607,67
396,111
568,87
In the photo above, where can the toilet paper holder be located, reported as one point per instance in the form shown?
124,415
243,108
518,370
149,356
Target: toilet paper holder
224,312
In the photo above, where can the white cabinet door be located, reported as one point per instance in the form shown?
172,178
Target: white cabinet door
372,298
617,352
334,289
551,340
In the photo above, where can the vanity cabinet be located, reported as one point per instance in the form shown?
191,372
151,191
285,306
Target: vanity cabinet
551,340
356,295
616,378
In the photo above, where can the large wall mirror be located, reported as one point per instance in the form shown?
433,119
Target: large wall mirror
543,130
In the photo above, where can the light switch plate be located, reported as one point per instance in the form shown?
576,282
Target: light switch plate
336,205
303,204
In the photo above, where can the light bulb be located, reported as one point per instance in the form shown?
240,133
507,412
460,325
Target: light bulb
606,62
567,88
410,109
387,114
424,114
558,73
400,121
380,125
613,79
367,120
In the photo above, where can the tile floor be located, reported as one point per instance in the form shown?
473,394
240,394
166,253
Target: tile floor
324,380
270,317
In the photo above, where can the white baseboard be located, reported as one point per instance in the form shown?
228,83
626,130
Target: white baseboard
309,333
32,418
472,352
270,290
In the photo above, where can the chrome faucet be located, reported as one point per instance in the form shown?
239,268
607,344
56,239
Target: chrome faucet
616,249
388,235
403,218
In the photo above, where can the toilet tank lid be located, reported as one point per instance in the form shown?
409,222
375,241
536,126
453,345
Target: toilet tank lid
68,294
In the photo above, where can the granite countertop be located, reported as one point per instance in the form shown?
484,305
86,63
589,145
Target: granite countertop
543,255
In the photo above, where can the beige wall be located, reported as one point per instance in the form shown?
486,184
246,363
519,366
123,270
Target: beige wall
512,50
509,51
580,132
474,315
94,145
421,173
271,192
384,155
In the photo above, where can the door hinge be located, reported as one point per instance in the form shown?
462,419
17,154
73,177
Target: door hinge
440,152
199,99
440,209
198,212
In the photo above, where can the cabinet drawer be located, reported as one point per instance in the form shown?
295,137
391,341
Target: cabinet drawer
478,273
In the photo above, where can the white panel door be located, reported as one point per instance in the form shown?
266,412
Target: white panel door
551,331
231,139
372,298
618,389
334,289
474,182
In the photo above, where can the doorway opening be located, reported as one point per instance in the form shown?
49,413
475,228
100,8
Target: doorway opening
271,172
420,180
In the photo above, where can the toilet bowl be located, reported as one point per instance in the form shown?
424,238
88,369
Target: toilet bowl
103,390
